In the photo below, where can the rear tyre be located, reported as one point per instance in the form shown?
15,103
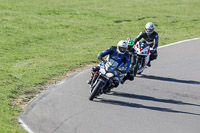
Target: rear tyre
96,90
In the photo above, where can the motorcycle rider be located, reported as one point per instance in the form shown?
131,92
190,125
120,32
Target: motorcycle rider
132,55
118,54
151,37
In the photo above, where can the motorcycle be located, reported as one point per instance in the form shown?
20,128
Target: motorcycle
143,56
102,81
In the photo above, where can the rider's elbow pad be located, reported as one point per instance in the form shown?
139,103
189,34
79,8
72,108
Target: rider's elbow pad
99,57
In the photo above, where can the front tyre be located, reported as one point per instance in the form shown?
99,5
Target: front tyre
139,66
96,90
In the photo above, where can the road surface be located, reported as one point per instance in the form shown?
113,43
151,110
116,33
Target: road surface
164,99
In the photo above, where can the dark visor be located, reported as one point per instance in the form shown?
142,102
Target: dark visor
121,49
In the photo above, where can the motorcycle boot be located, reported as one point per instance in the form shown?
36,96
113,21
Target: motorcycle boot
123,81
149,64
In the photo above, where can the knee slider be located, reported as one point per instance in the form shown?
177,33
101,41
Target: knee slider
153,56
131,78
116,82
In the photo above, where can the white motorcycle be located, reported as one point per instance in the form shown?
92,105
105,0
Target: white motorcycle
143,56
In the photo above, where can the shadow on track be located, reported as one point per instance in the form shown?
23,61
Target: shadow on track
149,98
134,105
169,79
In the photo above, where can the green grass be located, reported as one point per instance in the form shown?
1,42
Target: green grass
42,39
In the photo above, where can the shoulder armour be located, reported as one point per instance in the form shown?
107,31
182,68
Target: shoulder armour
113,47
143,32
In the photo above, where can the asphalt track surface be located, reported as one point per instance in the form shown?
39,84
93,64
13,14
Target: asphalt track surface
164,99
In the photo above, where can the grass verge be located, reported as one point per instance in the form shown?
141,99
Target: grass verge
42,40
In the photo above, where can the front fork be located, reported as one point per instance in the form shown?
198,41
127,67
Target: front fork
103,79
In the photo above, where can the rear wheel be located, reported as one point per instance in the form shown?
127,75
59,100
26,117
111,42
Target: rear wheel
96,90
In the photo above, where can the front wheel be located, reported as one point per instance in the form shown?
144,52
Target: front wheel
139,66
96,90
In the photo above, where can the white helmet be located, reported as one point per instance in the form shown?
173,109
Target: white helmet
149,28
122,47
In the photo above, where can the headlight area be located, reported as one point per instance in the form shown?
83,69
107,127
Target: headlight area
109,75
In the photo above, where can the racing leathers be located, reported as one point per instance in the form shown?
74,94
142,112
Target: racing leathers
151,40
121,59
132,57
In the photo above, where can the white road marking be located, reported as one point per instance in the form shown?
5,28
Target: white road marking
24,126
167,45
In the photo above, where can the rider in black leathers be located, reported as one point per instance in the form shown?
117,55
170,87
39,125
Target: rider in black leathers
132,56
151,37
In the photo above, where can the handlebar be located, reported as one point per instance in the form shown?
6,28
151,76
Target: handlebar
116,69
